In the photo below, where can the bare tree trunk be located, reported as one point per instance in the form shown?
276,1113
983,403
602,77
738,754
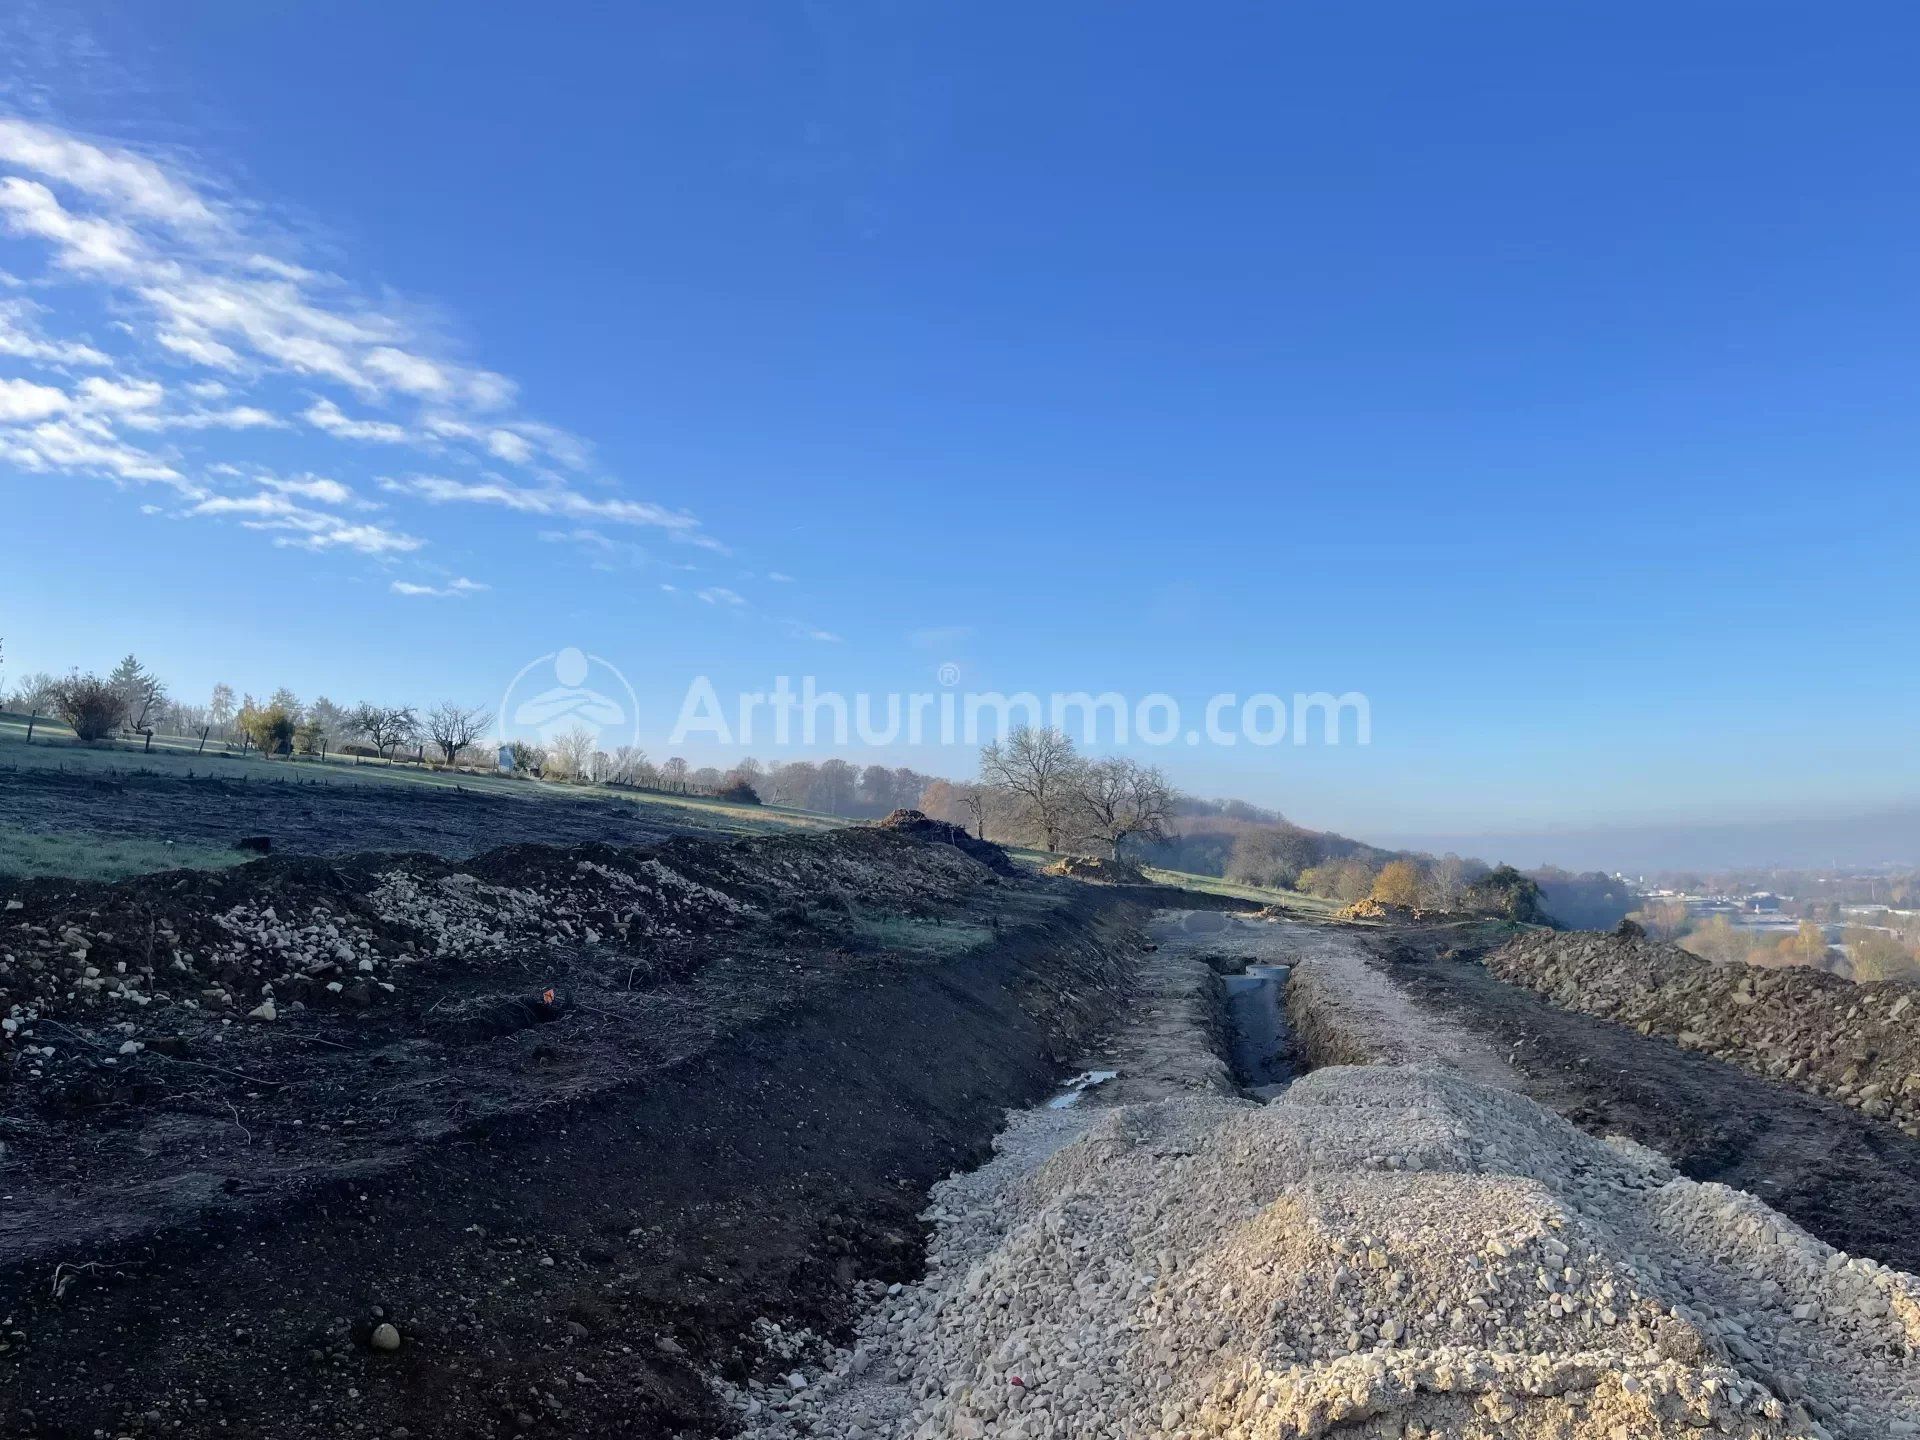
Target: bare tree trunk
30,723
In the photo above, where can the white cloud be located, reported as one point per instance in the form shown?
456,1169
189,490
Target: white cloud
325,415
234,417
20,337
70,445
193,282
22,400
127,180
83,244
720,595
310,529
312,487
198,348
98,393
547,500
779,577
458,589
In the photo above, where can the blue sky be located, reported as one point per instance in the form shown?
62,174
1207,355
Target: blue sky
1544,373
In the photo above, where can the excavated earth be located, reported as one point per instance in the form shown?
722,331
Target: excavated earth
1400,1247
696,1138
1845,1176
1853,1043
540,1143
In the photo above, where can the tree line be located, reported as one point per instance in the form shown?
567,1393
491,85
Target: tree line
1032,788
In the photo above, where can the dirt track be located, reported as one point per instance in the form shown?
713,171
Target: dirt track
1852,1181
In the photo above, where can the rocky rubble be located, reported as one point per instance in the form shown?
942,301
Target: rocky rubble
1857,1044
1384,1251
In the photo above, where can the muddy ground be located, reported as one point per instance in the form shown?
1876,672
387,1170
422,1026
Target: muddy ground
1852,1181
578,1163
308,816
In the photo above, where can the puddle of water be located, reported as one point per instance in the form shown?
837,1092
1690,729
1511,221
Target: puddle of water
1259,1026
1079,1086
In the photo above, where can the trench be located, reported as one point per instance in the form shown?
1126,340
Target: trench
1261,1049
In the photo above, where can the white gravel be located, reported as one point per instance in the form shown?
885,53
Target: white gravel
1385,1250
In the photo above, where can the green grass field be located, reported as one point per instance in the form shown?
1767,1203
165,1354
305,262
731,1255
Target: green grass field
103,857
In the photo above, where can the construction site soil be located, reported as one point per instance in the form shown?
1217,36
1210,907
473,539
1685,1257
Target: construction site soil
539,1143
1850,1180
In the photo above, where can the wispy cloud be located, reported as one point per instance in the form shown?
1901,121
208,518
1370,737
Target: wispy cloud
21,337
209,311
458,589
304,527
720,595
551,500
325,415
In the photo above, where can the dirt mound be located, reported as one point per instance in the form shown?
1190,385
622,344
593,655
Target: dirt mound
1853,1043
1094,867
919,826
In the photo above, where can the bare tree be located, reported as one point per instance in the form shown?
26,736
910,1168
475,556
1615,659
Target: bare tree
36,693
1446,882
453,727
626,764
387,726
220,709
570,753
1118,798
1037,767
673,774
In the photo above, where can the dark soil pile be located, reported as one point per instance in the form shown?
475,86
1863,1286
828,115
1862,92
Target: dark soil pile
596,1125
1853,1043
942,832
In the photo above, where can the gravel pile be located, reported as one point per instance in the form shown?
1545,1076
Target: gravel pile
1385,1251
1857,1044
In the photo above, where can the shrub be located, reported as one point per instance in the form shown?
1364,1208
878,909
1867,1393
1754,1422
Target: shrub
90,705
308,737
1398,883
270,728
740,792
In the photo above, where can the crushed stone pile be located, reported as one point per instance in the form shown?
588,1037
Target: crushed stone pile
92,971
1094,867
1383,1251
1855,1043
